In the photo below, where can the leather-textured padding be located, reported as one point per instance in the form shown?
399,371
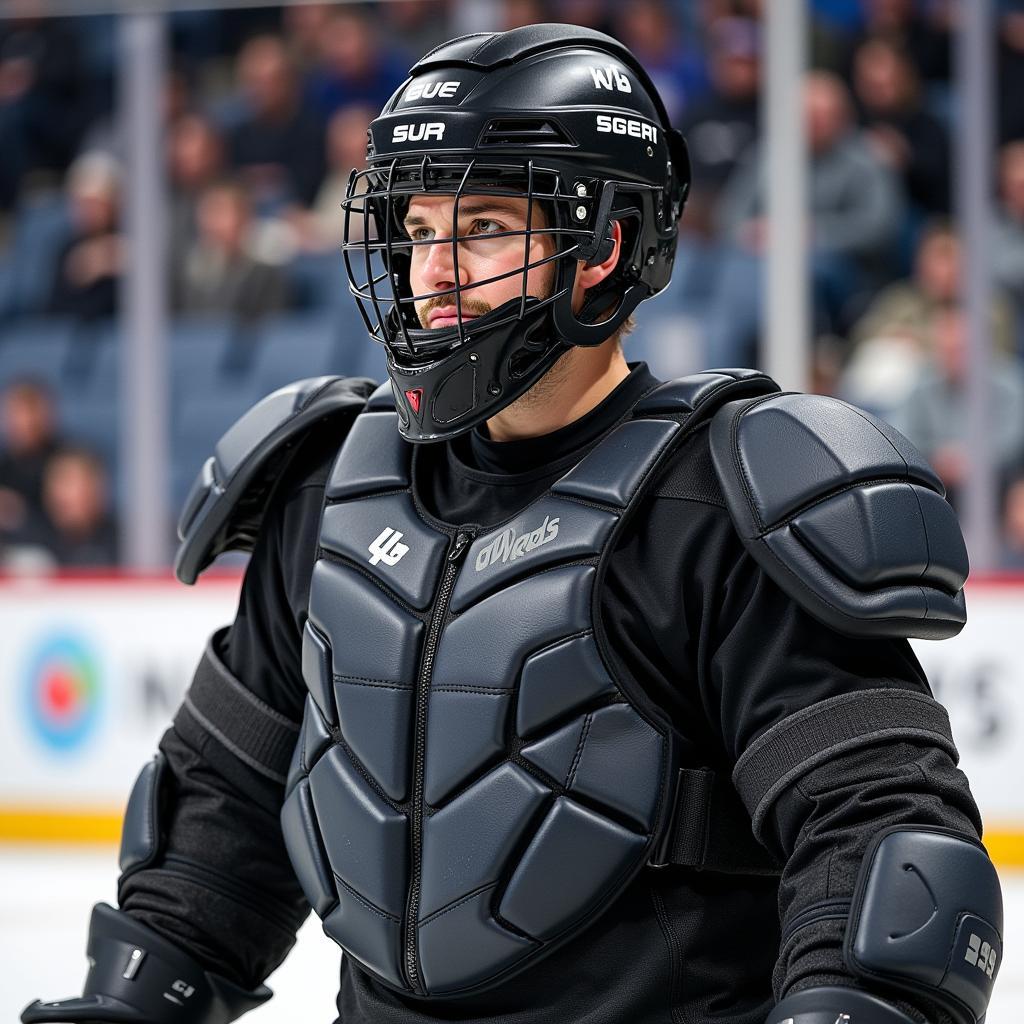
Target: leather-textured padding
927,916
226,504
140,835
844,514
698,392
474,783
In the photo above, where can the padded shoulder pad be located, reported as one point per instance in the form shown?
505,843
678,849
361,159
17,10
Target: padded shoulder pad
704,392
844,514
226,504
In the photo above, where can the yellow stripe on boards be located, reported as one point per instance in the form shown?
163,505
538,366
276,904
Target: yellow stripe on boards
28,825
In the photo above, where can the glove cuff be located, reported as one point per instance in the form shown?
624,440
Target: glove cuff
831,1004
140,977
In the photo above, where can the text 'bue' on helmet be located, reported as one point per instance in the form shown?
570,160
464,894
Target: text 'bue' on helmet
563,117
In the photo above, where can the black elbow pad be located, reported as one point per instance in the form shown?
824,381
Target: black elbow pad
141,836
927,918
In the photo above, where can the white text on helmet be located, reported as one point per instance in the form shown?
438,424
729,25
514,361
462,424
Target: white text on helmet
610,77
427,90
627,126
424,130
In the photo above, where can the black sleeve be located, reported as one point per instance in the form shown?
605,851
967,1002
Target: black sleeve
765,659
223,888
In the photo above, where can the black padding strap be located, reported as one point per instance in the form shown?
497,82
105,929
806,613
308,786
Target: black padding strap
251,729
710,829
792,747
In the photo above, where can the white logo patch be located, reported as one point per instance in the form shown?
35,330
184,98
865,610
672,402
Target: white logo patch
627,126
421,131
387,547
428,90
610,77
507,546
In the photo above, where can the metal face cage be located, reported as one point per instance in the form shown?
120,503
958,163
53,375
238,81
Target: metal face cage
378,251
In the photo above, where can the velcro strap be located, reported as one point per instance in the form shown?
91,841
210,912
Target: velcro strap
251,729
711,830
808,738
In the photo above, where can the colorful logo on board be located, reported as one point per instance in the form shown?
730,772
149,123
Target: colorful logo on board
63,691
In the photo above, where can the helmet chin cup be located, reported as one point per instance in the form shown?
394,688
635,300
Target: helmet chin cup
448,395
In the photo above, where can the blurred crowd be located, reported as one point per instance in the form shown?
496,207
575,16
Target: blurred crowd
265,114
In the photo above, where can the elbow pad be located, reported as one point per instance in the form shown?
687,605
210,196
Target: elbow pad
138,977
927,919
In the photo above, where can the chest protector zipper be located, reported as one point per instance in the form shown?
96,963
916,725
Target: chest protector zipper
473,785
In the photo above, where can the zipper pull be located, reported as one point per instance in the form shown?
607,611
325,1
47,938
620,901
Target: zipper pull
461,543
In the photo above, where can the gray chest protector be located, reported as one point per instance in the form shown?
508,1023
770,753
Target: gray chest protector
474,784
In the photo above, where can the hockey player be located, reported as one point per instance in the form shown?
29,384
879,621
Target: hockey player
578,696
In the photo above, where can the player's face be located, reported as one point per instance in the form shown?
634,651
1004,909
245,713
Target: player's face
482,255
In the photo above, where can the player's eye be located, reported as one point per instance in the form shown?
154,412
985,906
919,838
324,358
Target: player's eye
486,226
420,234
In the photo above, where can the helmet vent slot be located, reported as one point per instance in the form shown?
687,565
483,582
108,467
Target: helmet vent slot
524,132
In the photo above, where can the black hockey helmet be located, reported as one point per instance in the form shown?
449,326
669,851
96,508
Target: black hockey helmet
554,114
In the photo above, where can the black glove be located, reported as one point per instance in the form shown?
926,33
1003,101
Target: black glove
137,977
834,1004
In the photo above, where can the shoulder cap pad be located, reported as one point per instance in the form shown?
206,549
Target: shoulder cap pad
226,503
707,390
844,514
383,398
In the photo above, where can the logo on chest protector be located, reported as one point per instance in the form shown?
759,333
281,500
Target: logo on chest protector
508,545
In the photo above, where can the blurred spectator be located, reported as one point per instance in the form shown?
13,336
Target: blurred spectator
1008,241
911,308
90,264
354,66
79,529
1013,526
856,207
278,146
721,128
415,26
934,415
29,440
41,88
677,68
304,26
520,13
220,274
920,30
196,159
321,230
588,13
903,135
1010,75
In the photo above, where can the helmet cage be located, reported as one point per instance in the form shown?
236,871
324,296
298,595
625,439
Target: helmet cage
377,263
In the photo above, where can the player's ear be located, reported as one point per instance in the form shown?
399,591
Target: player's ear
589,274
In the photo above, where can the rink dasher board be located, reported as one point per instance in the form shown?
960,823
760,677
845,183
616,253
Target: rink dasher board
92,670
